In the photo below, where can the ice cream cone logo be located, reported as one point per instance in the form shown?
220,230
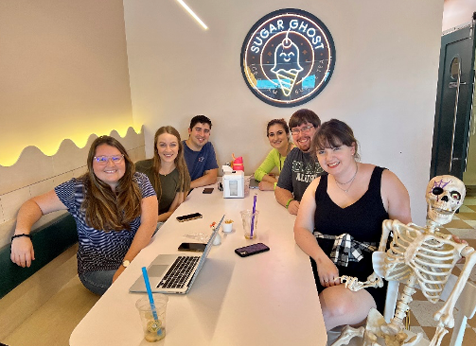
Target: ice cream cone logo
287,57
286,64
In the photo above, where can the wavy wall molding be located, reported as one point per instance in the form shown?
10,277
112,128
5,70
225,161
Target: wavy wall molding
33,165
80,143
35,173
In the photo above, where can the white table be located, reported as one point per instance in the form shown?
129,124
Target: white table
265,299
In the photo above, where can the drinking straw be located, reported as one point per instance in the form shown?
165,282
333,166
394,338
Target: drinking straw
255,197
151,298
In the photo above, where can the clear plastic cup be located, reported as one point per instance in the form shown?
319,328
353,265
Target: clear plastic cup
154,329
250,223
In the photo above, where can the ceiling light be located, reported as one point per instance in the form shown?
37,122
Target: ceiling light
189,10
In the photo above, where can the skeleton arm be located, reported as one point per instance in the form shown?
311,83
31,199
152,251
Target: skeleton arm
445,314
387,226
375,279
394,226
353,284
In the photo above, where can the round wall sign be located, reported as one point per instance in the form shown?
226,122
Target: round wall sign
287,57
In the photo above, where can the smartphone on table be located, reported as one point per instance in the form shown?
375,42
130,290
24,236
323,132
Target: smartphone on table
194,247
189,217
249,250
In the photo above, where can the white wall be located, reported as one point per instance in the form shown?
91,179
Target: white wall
383,86
457,13
63,74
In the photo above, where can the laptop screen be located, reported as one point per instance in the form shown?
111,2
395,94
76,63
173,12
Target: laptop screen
206,251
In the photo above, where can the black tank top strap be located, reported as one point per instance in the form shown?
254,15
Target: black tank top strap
376,179
321,190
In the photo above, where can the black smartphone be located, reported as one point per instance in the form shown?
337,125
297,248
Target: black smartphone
251,249
208,190
195,247
189,217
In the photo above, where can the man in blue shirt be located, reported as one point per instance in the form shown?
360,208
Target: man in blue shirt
199,152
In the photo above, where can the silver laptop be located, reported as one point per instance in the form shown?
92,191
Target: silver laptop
174,273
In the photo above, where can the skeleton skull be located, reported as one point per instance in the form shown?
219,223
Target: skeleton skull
444,195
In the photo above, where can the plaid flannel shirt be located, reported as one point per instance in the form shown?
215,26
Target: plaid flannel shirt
346,249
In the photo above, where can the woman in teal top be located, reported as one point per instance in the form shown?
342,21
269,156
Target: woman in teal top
278,135
167,171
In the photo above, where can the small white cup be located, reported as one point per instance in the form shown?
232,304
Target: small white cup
227,226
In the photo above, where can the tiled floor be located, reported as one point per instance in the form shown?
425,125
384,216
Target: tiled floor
464,226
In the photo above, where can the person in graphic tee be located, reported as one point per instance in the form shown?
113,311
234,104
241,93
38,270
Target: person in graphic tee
300,166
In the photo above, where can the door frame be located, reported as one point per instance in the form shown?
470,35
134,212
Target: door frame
462,33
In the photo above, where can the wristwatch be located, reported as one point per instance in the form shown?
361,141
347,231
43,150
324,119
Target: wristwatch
126,263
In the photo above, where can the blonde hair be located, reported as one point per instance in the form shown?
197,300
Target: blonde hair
106,209
184,176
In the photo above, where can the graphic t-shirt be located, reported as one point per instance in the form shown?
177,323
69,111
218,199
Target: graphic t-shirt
299,170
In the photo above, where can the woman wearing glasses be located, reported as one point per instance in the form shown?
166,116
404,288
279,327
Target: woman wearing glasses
339,222
167,171
278,136
114,209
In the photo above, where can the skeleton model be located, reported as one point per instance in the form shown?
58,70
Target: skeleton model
421,257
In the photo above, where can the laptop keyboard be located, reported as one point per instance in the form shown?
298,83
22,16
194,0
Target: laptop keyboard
179,272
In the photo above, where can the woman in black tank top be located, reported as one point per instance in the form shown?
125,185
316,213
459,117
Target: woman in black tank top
339,222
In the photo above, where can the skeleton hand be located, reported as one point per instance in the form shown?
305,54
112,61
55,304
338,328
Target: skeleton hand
353,284
445,316
376,280
350,282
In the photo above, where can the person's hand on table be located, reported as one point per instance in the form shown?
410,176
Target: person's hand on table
293,207
266,186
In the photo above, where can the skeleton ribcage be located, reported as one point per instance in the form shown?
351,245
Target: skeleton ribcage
429,258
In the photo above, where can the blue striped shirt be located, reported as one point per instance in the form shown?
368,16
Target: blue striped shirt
99,250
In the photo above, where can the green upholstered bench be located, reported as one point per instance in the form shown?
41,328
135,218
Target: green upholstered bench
49,241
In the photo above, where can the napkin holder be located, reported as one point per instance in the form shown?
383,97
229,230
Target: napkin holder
233,184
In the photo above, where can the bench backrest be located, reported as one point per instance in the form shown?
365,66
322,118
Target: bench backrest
49,241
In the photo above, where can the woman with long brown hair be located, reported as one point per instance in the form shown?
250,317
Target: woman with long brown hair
167,171
113,206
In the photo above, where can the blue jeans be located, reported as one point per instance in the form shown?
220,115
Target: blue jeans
97,282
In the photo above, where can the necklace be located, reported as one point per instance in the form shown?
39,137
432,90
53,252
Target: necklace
350,181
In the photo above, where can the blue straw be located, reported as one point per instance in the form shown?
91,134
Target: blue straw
255,197
151,298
